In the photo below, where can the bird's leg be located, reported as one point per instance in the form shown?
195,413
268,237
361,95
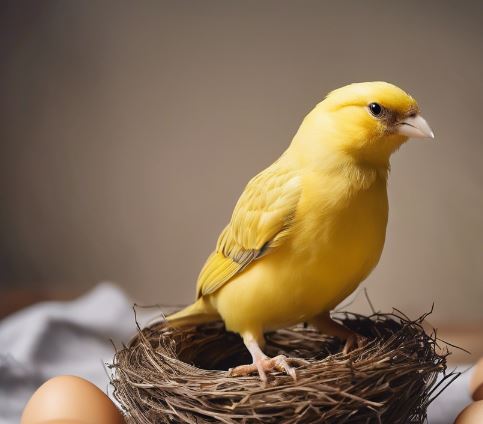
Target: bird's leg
261,362
325,324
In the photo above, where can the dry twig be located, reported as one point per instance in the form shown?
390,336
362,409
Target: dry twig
171,375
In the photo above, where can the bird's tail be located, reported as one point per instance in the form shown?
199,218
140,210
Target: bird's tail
199,312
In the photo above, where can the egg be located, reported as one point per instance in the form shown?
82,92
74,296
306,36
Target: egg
478,393
476,381
62,422
472,414
70,400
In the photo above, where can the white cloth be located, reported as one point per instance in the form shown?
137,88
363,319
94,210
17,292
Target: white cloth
451,402
56,338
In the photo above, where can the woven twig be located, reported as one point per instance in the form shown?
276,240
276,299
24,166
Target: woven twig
179,375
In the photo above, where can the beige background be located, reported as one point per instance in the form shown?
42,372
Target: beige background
128,130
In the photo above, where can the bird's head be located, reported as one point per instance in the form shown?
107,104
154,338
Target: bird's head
369,120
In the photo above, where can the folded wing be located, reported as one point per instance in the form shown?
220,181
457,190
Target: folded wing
262,219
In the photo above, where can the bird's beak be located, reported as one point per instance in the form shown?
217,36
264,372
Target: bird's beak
415,127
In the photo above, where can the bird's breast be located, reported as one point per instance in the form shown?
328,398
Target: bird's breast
339,234
336,240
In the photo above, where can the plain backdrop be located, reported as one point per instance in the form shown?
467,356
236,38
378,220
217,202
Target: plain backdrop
129,129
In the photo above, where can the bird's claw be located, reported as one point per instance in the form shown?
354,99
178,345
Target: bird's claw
281,364
353,342
242,370
263,365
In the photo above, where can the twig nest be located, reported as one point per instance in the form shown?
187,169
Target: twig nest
179,375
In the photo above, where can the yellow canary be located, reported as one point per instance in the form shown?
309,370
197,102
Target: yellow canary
309,228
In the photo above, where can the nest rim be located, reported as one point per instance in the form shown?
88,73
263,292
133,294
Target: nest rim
162,375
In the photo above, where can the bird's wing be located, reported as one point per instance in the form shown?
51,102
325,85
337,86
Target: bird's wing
261,220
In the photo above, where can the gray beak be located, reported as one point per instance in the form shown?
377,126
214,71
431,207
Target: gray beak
415,127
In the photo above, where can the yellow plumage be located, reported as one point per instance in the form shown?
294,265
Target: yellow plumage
309,228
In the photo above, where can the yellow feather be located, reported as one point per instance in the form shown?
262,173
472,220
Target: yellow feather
308,229
262,217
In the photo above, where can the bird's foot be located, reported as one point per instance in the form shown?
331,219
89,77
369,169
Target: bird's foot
353,342
266,364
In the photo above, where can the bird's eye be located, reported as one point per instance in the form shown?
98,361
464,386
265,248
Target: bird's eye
376,109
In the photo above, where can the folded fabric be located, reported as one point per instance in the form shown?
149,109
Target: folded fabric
55,338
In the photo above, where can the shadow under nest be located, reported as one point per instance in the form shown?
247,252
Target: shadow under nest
169,375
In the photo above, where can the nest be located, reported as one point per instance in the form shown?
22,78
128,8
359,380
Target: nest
179,375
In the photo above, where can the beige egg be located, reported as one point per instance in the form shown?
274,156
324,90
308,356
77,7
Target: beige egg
70,400
62,422
472,414
476,381
478,393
